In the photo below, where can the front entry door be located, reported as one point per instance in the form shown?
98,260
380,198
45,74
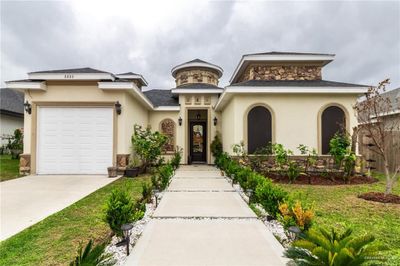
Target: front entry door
198,145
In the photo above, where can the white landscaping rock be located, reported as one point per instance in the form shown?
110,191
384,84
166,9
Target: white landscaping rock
119,253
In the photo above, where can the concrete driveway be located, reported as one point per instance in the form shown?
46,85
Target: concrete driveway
202,221
27,200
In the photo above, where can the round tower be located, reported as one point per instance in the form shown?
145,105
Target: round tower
197,71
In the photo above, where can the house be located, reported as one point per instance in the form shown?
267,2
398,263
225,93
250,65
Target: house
82,119
11,113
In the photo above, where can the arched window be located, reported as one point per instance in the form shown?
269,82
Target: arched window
333,120
167,127
259,128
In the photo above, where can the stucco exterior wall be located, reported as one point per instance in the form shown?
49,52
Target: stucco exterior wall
133,112
82,94
295,117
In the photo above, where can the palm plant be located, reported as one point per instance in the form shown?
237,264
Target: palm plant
92,256
331,249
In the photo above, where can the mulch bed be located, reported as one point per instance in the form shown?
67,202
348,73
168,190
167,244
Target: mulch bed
381,197
316,179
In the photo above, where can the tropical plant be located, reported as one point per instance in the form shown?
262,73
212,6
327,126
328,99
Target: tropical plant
270,196
216,145
281,154
312,157
92,256
293,170
296,213
148,145
119,210
176,159
320,247
338,147
349,161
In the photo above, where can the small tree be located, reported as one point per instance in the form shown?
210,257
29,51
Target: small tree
371,115
148,145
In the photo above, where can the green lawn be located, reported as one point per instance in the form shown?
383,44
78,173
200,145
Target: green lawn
9,168
54,240
339,206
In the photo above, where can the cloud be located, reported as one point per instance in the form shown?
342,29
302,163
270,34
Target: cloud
151,37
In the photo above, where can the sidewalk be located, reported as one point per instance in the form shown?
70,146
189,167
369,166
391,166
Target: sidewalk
201,220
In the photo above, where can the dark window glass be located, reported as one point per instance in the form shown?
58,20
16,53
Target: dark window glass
259,128
333,120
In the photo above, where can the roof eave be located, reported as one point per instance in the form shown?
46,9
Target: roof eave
26,85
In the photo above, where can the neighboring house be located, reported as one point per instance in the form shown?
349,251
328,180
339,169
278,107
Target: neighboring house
82,119
11,113
391,120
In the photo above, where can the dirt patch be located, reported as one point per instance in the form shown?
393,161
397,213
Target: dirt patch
380,197
322,180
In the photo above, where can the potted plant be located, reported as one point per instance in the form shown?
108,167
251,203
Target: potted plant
112,171
132,170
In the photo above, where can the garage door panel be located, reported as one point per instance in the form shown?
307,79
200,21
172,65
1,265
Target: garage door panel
74,140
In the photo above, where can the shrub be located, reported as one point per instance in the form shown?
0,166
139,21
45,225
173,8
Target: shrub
296,213
176,159
239,150
242,176
16,143
338,146
216,146
119,210
162,177
148,145
281,154
331,248
270,196
92,255
146,192
140,209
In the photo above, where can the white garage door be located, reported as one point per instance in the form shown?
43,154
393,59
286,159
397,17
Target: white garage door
74,140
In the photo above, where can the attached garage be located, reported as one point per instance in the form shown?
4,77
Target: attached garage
74,140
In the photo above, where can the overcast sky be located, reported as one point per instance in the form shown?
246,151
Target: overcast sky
150,38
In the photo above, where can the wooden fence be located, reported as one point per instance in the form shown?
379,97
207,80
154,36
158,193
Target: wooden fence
393,152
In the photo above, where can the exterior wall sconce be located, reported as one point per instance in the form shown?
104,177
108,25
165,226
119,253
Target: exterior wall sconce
118,108
180,121
215,120
28,107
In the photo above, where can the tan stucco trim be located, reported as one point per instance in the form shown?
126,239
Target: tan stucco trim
319,122
245,120
34,121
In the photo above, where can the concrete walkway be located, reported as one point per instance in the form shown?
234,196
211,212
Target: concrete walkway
201,220
27,200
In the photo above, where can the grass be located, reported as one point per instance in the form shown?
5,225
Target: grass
54,240
339,206
9,168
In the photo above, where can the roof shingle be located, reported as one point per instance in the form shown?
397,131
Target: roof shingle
12,101
161,98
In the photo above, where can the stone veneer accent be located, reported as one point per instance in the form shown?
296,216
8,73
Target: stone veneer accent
284,72
196,76
122,163
24,164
